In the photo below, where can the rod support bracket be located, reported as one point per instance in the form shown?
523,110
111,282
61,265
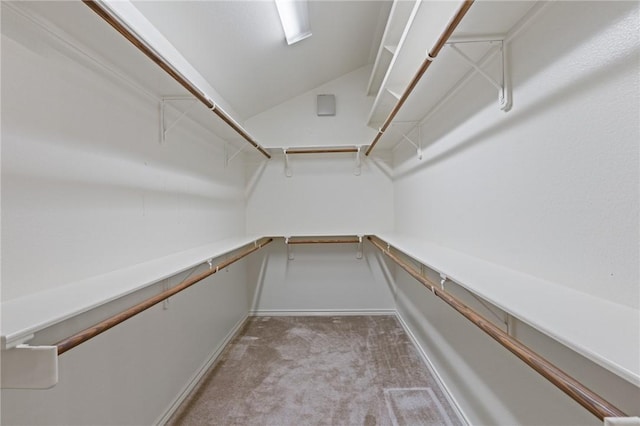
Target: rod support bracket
359,252
164,127
287,168
290,255
30,367
416,145
502,85
443,280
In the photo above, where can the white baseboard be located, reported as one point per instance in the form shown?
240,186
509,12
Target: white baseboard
319,312
195,379
447,393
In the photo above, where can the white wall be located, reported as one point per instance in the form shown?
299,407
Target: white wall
320,278
294,123
549,188
323,196
87,188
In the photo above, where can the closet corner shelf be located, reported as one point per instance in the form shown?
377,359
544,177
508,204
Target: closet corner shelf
600,330
25,316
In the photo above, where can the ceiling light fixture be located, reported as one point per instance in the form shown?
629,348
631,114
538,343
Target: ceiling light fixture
294,16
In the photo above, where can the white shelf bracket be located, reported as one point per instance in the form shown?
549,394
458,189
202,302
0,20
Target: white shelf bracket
289,249
443,280
358,168
287,169
229,158
417,146
359,252
30,367
164,128
504,92
165,302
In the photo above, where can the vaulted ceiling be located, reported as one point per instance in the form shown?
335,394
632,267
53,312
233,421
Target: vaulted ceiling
239,46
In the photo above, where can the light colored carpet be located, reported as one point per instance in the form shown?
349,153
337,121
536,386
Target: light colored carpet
352,370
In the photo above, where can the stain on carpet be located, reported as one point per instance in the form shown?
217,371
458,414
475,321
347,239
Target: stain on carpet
354,370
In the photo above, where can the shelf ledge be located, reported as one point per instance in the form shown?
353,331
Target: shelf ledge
603,331
25,316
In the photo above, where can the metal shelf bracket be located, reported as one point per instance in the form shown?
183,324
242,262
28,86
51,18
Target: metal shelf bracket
504,91
164,128
358,168
359,252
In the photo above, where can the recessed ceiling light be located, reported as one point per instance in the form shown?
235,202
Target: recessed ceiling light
294,16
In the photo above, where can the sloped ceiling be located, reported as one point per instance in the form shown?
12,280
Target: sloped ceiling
239,47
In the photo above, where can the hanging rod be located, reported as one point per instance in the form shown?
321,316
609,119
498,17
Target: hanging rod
595,404
138,42
321,150
339,240
91,332
431,55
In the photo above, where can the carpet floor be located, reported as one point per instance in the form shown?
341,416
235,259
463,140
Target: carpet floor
351,370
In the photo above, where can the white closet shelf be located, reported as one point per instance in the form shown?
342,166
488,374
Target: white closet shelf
392,37
448,73
602,331
22,317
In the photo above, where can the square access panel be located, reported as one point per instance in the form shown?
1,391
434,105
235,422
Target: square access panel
326,105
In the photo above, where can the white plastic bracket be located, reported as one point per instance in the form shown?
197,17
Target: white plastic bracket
510,323
504,92
30,367
417,146
164,128
358,168
210,262
359,252
289,249
287,169
443,280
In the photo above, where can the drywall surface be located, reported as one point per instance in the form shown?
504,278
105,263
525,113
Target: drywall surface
87,188
315,279
549,189
294,123
326,193
323,196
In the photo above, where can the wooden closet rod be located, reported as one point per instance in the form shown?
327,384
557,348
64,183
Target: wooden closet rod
321,150
102,326
464,8
345,240
162,63
576,390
